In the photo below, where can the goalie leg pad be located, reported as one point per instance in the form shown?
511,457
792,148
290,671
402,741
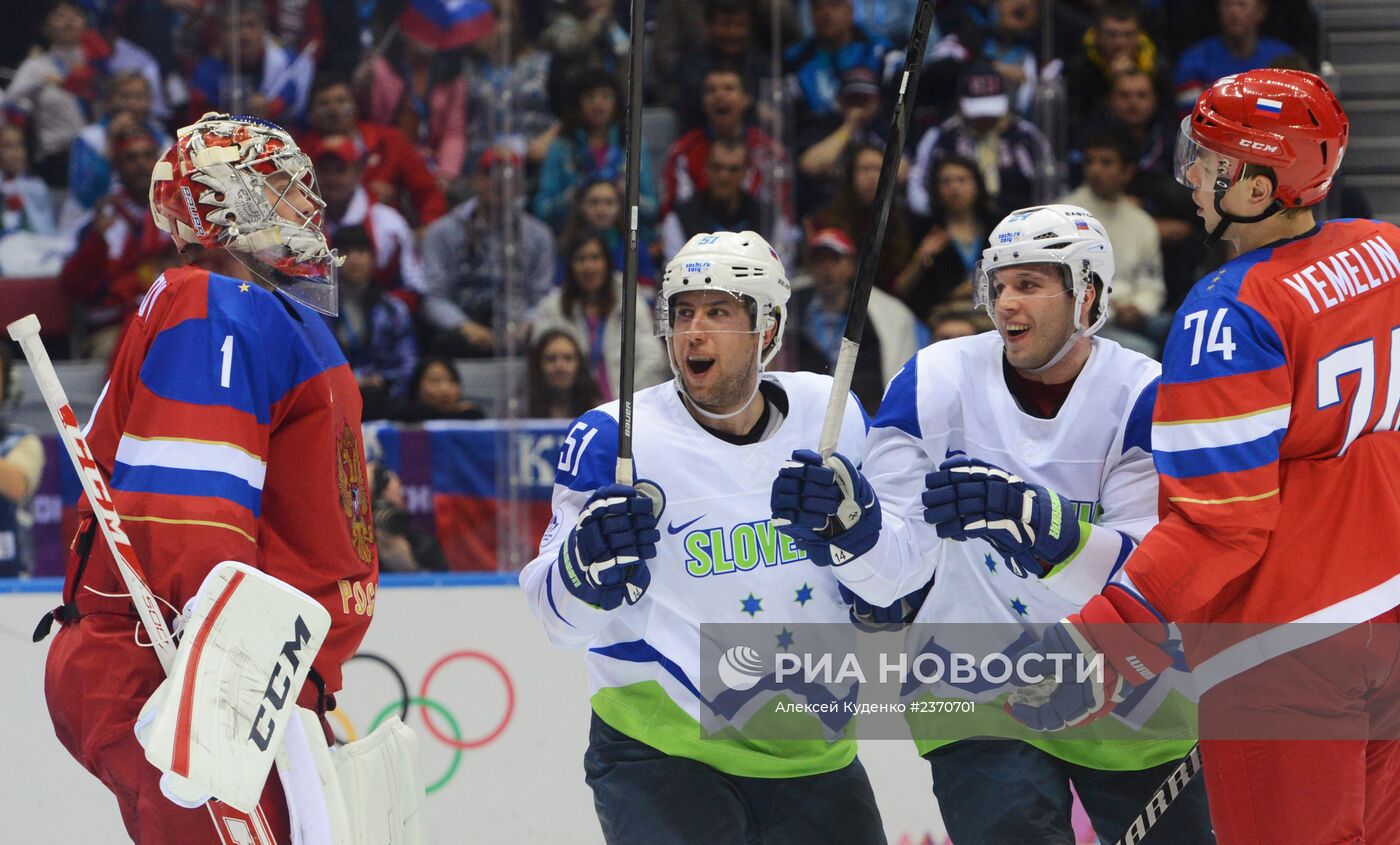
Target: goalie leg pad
215,725
382,788
307,772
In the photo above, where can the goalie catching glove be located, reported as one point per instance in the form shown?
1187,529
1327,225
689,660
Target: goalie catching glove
966,498
604,559
828,508
1126,634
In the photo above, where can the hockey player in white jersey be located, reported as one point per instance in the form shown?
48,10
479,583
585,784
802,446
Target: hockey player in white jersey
1014,473
710,439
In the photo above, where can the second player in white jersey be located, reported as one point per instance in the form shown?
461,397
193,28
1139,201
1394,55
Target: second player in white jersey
1013,475
951,399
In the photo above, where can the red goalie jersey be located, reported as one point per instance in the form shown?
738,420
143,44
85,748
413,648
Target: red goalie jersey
230,430
1275,436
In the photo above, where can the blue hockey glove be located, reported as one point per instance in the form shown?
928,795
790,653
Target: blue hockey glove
604,560
868,617
1118,625
828,509
967,498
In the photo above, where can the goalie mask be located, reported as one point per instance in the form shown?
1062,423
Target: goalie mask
740,264
1066,236
242,184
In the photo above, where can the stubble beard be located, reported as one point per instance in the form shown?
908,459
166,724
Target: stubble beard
728,392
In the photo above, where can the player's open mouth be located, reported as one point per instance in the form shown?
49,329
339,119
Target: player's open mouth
699,365
1015,330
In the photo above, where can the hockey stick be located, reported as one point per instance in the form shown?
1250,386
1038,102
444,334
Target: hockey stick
628,365
1173,786
25,331
870,256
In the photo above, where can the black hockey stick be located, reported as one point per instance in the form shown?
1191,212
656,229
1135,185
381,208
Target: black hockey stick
870,254
628,365
627,370
1173,786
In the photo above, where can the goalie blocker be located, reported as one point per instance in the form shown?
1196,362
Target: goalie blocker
215,725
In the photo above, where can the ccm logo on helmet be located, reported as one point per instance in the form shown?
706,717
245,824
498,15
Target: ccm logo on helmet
1258,145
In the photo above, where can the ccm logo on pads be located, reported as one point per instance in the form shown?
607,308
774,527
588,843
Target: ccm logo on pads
275,696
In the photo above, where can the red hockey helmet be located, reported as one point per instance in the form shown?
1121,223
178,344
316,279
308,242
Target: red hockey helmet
231,182
1286,120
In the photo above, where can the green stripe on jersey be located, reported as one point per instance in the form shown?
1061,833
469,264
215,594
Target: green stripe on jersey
646,713
1116,747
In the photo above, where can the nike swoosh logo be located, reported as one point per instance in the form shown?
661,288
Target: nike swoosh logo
673,528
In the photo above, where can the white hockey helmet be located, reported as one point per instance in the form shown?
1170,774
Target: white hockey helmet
1063,235
741,264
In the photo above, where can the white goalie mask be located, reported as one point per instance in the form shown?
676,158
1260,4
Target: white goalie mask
740,264
1063,235
227,182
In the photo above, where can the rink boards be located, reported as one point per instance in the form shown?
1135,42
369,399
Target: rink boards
511,771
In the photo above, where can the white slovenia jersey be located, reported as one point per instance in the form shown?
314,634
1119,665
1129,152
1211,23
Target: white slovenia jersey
952,398
719,559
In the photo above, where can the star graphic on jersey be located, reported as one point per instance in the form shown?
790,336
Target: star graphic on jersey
991,564
1018,606
804,594
243,288
751,605
785,639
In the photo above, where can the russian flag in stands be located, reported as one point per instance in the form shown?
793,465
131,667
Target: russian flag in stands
469,470
446,24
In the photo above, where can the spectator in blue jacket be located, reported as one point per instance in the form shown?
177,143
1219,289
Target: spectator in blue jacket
1239,47
126,104
375,331
275,83
816,64
589,146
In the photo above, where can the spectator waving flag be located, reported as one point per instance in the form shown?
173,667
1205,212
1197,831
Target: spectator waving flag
446,24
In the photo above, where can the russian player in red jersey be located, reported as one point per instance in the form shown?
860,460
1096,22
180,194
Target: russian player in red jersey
1275,439
229,430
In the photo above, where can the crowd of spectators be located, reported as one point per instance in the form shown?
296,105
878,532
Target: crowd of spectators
476,189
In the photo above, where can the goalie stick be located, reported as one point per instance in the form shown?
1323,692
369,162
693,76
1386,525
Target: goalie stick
870,255
25,331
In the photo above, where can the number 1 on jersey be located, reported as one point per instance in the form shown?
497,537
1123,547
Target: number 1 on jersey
227,349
